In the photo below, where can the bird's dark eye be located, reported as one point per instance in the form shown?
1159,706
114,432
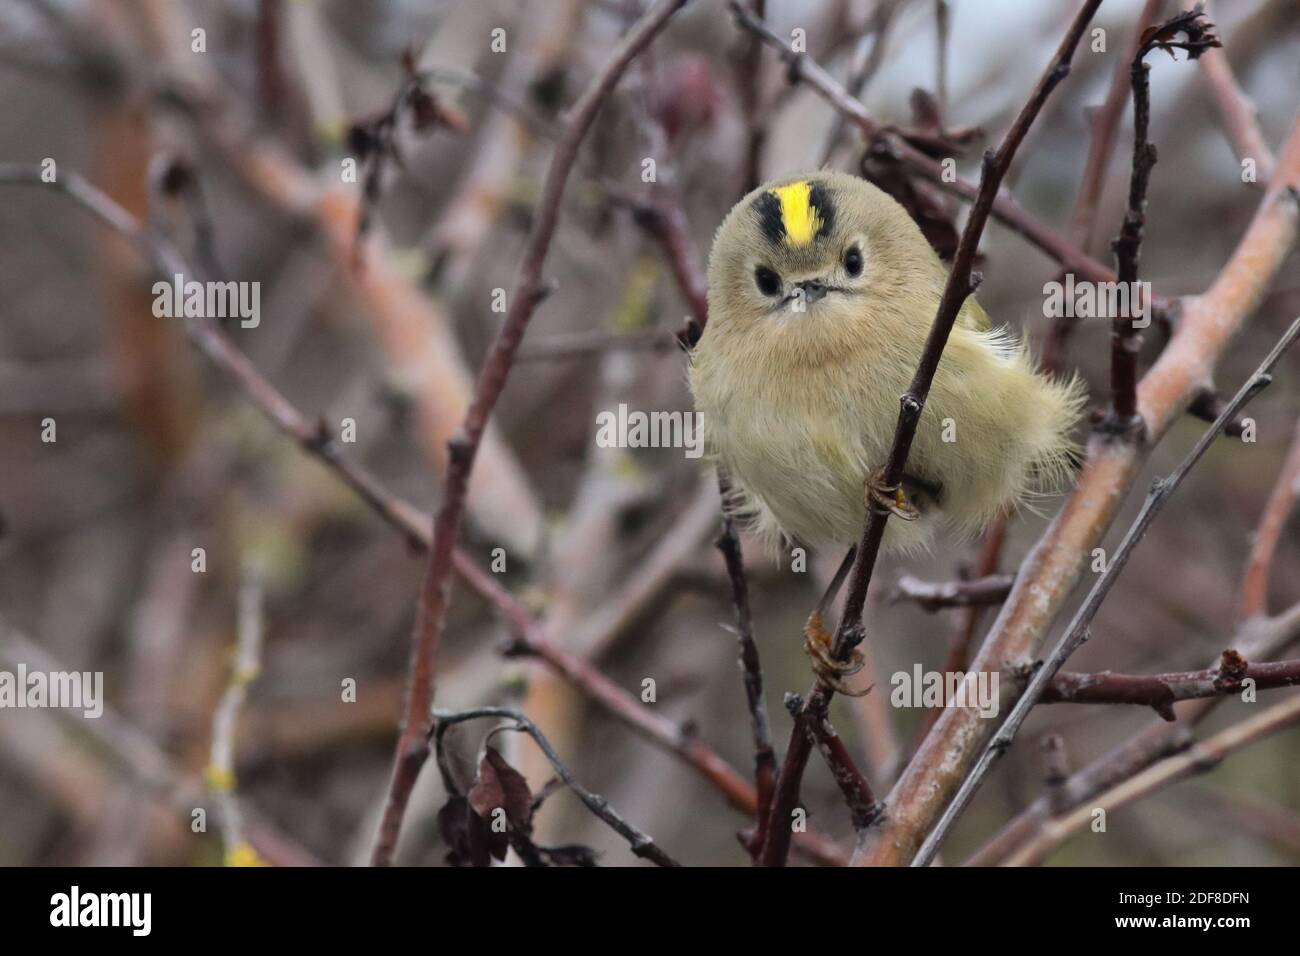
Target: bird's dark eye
768,282
853,261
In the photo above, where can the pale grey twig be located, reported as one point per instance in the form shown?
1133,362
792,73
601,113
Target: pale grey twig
220,774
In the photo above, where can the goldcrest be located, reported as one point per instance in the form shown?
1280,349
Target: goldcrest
822,291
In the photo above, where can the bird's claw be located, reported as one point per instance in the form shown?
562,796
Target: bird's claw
886,498
817,644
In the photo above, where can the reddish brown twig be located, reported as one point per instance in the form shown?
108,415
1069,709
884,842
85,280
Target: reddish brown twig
932,596
1162,690
412,748
748,69
857,792
959,286
1126,338
1207,405
1104,124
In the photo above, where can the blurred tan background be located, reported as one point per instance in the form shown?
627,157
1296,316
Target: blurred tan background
157,454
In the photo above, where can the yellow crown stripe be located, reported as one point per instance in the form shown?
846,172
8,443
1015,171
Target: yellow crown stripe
798,214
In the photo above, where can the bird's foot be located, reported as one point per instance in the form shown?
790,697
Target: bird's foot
818,644
886,498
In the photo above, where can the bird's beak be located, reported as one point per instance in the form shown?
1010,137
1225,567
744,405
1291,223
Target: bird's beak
810,289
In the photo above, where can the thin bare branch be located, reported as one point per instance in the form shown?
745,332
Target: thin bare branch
764,756
641,843
1161,691
220,773
1240,120
1126,339
933,596
857,792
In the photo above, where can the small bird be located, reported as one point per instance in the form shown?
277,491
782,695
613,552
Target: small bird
822,291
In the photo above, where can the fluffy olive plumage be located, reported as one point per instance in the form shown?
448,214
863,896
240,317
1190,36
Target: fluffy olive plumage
821,293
